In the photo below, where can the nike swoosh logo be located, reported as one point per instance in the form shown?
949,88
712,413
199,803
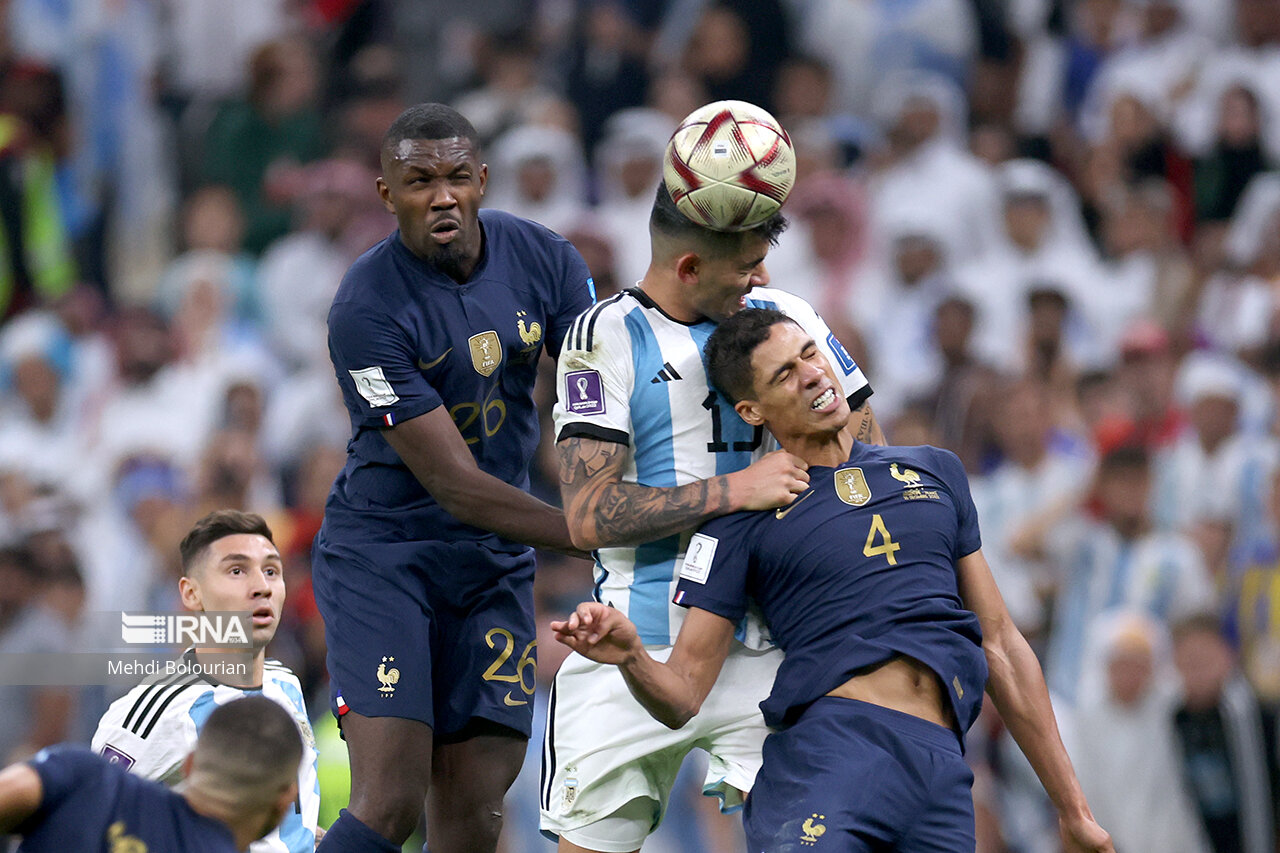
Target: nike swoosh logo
507,700
779,513
427,365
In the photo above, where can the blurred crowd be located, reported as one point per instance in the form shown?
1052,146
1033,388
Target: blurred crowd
1048,229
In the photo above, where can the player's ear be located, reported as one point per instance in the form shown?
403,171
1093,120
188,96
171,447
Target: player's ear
749,411
189,592
484,177
688,265
188,763
384,193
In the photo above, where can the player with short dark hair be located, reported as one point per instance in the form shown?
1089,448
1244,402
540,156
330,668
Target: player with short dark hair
218,525
648,451
873,583
229,564
240,779
422,569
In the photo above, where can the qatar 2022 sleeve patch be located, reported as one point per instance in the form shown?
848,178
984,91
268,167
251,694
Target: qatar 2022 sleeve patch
698,557
372,384
584,392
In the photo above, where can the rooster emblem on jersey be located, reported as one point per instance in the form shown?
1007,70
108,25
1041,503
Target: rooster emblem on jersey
812,830
906,476
388,677
530,335
121,843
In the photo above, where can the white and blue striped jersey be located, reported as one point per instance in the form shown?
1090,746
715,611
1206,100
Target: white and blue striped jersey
630,374
153,728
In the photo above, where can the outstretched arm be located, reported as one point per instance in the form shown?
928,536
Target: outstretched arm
603,511
438,456
671,692
1016,685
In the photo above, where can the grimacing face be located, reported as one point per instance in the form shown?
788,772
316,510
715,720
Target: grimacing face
241,572
434,187
795,390
723,282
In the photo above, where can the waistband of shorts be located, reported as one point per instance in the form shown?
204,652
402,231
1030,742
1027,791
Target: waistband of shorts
902,723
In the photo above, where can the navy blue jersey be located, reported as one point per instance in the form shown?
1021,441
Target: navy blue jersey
859,568
89,804
405,338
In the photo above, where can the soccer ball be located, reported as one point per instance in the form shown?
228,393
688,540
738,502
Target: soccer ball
729,166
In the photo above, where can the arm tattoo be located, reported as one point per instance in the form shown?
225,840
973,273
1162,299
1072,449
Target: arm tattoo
611,512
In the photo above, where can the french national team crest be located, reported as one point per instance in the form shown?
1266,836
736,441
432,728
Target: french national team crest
851,486
486,352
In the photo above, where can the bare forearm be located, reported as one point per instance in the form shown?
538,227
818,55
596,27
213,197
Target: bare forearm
612,513
669,697
630,514
486,502
1017,687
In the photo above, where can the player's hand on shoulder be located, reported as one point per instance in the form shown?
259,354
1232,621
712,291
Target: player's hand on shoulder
1084,834
770,482
599,632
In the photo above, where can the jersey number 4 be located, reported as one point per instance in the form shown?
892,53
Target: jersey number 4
717,444
887,546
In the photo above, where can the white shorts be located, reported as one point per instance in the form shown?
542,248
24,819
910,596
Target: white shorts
602,749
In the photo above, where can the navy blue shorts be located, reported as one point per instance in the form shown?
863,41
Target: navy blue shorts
441,632
852,776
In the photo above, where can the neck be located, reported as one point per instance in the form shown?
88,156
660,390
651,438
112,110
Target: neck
828,449
242,826
666,291
234,667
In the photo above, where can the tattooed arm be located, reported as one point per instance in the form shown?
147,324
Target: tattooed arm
603,511
864,426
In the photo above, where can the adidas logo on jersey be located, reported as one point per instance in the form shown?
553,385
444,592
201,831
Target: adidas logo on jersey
666,374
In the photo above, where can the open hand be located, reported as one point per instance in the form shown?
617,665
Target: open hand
598,632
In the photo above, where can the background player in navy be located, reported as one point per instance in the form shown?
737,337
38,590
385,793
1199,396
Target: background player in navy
874,585
422,570
241,779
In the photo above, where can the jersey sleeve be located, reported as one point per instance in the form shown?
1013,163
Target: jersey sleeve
152,746
856,387
713,576
594,377
576,291
377,367
969,538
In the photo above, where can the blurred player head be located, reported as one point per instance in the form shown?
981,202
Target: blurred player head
1122,488
433,181
244,769
230,563
715,269
776,375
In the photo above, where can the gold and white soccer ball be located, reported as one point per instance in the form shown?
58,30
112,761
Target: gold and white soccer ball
729,166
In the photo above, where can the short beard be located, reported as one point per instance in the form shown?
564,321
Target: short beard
450,260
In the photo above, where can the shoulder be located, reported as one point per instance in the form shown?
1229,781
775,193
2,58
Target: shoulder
602,327
779,300
145,708
500,223
276,672
736,526
365,281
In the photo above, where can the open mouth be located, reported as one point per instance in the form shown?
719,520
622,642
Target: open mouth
445,230
263,616
826,398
